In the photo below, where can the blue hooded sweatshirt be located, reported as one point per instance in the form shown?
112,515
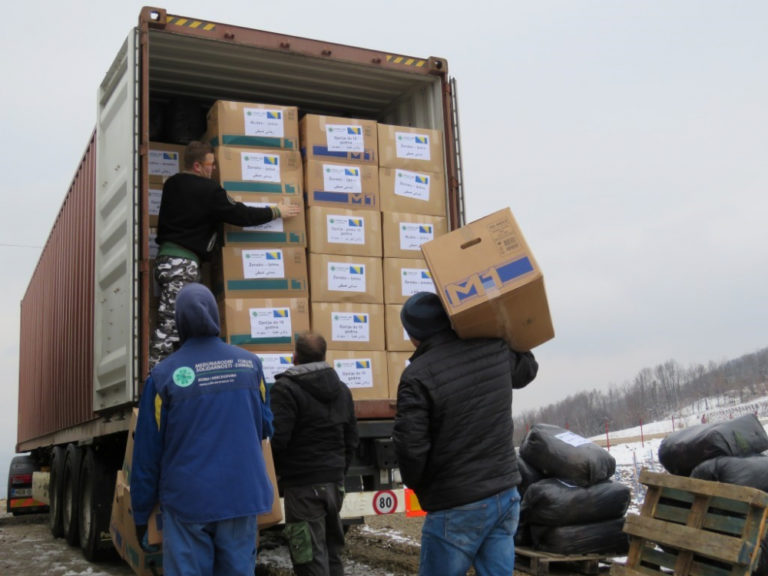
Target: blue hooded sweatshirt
202,415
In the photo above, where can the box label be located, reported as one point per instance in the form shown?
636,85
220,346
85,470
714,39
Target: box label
155,197
355,372
263,264
345,277
345,230
273,364
270,323
275,225
260,167
414,234
163,163
412,146
260,122
346,179
344,138
350,327
413,280
412,185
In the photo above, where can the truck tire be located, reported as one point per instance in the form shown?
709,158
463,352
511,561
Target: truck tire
71,495
97,485
55,491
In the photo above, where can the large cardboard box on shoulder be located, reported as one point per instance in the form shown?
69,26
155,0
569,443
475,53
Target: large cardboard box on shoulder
349,326
490,283
263,324
254,125
410,148
363,371
336,138
336,278
280,232
345,232
267,171
345,185
276,272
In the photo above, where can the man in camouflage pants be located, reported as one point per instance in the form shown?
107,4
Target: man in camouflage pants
192,208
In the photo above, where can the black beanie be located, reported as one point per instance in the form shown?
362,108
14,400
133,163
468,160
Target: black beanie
423,316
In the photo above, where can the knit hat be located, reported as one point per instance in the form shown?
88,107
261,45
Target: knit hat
423,316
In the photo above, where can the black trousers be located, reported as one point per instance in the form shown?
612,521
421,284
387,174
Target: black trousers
313,528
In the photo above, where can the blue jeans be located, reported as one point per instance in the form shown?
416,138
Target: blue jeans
223,548
480,533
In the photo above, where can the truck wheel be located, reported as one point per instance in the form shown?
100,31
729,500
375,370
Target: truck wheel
71,495
97,487
55,485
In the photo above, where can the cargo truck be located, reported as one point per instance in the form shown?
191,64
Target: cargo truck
86,314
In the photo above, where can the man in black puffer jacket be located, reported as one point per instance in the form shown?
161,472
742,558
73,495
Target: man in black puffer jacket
314,441
453,439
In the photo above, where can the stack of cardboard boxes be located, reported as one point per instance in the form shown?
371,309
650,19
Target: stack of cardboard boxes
260,275
345,248
412,192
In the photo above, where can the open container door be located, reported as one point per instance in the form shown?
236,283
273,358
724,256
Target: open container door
116,221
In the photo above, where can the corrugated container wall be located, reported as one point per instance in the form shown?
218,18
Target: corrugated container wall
56,341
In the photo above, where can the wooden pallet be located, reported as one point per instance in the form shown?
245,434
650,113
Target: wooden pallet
544,563
691,527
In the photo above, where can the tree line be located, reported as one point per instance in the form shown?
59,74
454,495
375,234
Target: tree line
654,394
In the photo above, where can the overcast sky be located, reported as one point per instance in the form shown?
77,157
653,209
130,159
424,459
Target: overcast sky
629,138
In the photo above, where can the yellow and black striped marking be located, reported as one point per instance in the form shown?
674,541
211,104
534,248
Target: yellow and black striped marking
189,23
406,61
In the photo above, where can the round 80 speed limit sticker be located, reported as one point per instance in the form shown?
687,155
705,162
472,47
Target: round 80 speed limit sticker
384,502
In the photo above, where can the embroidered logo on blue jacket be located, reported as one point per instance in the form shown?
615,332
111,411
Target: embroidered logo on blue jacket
183,376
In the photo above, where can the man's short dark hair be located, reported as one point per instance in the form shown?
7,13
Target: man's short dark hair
309,347
196,152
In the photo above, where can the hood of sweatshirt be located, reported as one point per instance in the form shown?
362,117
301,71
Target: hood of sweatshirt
196,312
317,379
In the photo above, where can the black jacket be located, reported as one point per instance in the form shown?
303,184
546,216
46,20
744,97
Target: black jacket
315,425
193,207
453,428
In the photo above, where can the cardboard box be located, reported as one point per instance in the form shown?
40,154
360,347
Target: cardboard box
276,272
273,363
335,278
412,192
253,125
396,363
338,184
347,326
341,231
410,148
263,324
364,371
280,232
155,197
403,234
261,171
404,277
397,337
339,139
490,283
165,159
123,532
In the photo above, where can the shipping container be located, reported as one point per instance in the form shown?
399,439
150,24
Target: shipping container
86,314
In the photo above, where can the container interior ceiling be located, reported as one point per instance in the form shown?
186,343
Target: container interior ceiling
204,71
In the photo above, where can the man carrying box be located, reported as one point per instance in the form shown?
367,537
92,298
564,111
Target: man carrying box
453,440
197,448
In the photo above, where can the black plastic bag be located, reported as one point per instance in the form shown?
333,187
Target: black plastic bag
553,502
597,538
528,473
682,451
559,453
745,471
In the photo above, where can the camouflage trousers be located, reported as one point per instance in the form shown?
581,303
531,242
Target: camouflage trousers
171,273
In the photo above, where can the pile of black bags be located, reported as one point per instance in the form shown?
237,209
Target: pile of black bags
728,452
570,505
